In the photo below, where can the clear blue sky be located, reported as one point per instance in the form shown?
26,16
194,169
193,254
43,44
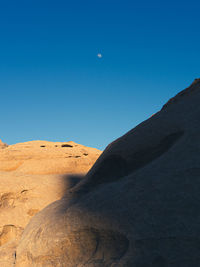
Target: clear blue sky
54,87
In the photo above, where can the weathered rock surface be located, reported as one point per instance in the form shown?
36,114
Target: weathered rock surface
2,145
32,175
139,206
43,157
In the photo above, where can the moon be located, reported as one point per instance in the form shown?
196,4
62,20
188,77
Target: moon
99,55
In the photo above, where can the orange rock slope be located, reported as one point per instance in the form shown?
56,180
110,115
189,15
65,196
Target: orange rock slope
32,175
42,157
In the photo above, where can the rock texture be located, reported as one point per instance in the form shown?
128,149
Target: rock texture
2,145
32,175
139,205
42,157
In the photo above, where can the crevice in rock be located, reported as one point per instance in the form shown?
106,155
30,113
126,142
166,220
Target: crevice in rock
24,191
66,145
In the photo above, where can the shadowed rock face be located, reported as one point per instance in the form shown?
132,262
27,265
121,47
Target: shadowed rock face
139,205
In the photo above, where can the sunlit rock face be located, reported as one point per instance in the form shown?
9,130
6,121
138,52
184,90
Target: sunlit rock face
139,205
33,175
2,145
43,157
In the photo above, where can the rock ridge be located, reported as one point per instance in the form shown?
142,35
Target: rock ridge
189,90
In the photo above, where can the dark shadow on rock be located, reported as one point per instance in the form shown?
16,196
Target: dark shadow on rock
70,180
144,156
66,145
114,167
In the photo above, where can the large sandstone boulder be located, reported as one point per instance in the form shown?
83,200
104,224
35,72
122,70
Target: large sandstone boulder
32,175
139,206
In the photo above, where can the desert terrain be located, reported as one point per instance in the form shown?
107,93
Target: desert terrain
138,205
32,175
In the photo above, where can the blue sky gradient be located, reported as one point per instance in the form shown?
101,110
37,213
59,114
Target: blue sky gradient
54,87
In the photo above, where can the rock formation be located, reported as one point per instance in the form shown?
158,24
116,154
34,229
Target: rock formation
42,157
139,205
2,145
32,175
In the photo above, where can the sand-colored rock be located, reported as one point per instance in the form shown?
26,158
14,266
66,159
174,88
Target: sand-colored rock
43,157
2,145
32,175
139,206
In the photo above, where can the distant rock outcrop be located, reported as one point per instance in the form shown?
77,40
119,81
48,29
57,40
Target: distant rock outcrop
32,175
139,205
43,157
2,145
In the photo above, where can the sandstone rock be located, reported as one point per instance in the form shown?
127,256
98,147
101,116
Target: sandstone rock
42,157
139,205
32,175
2,145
